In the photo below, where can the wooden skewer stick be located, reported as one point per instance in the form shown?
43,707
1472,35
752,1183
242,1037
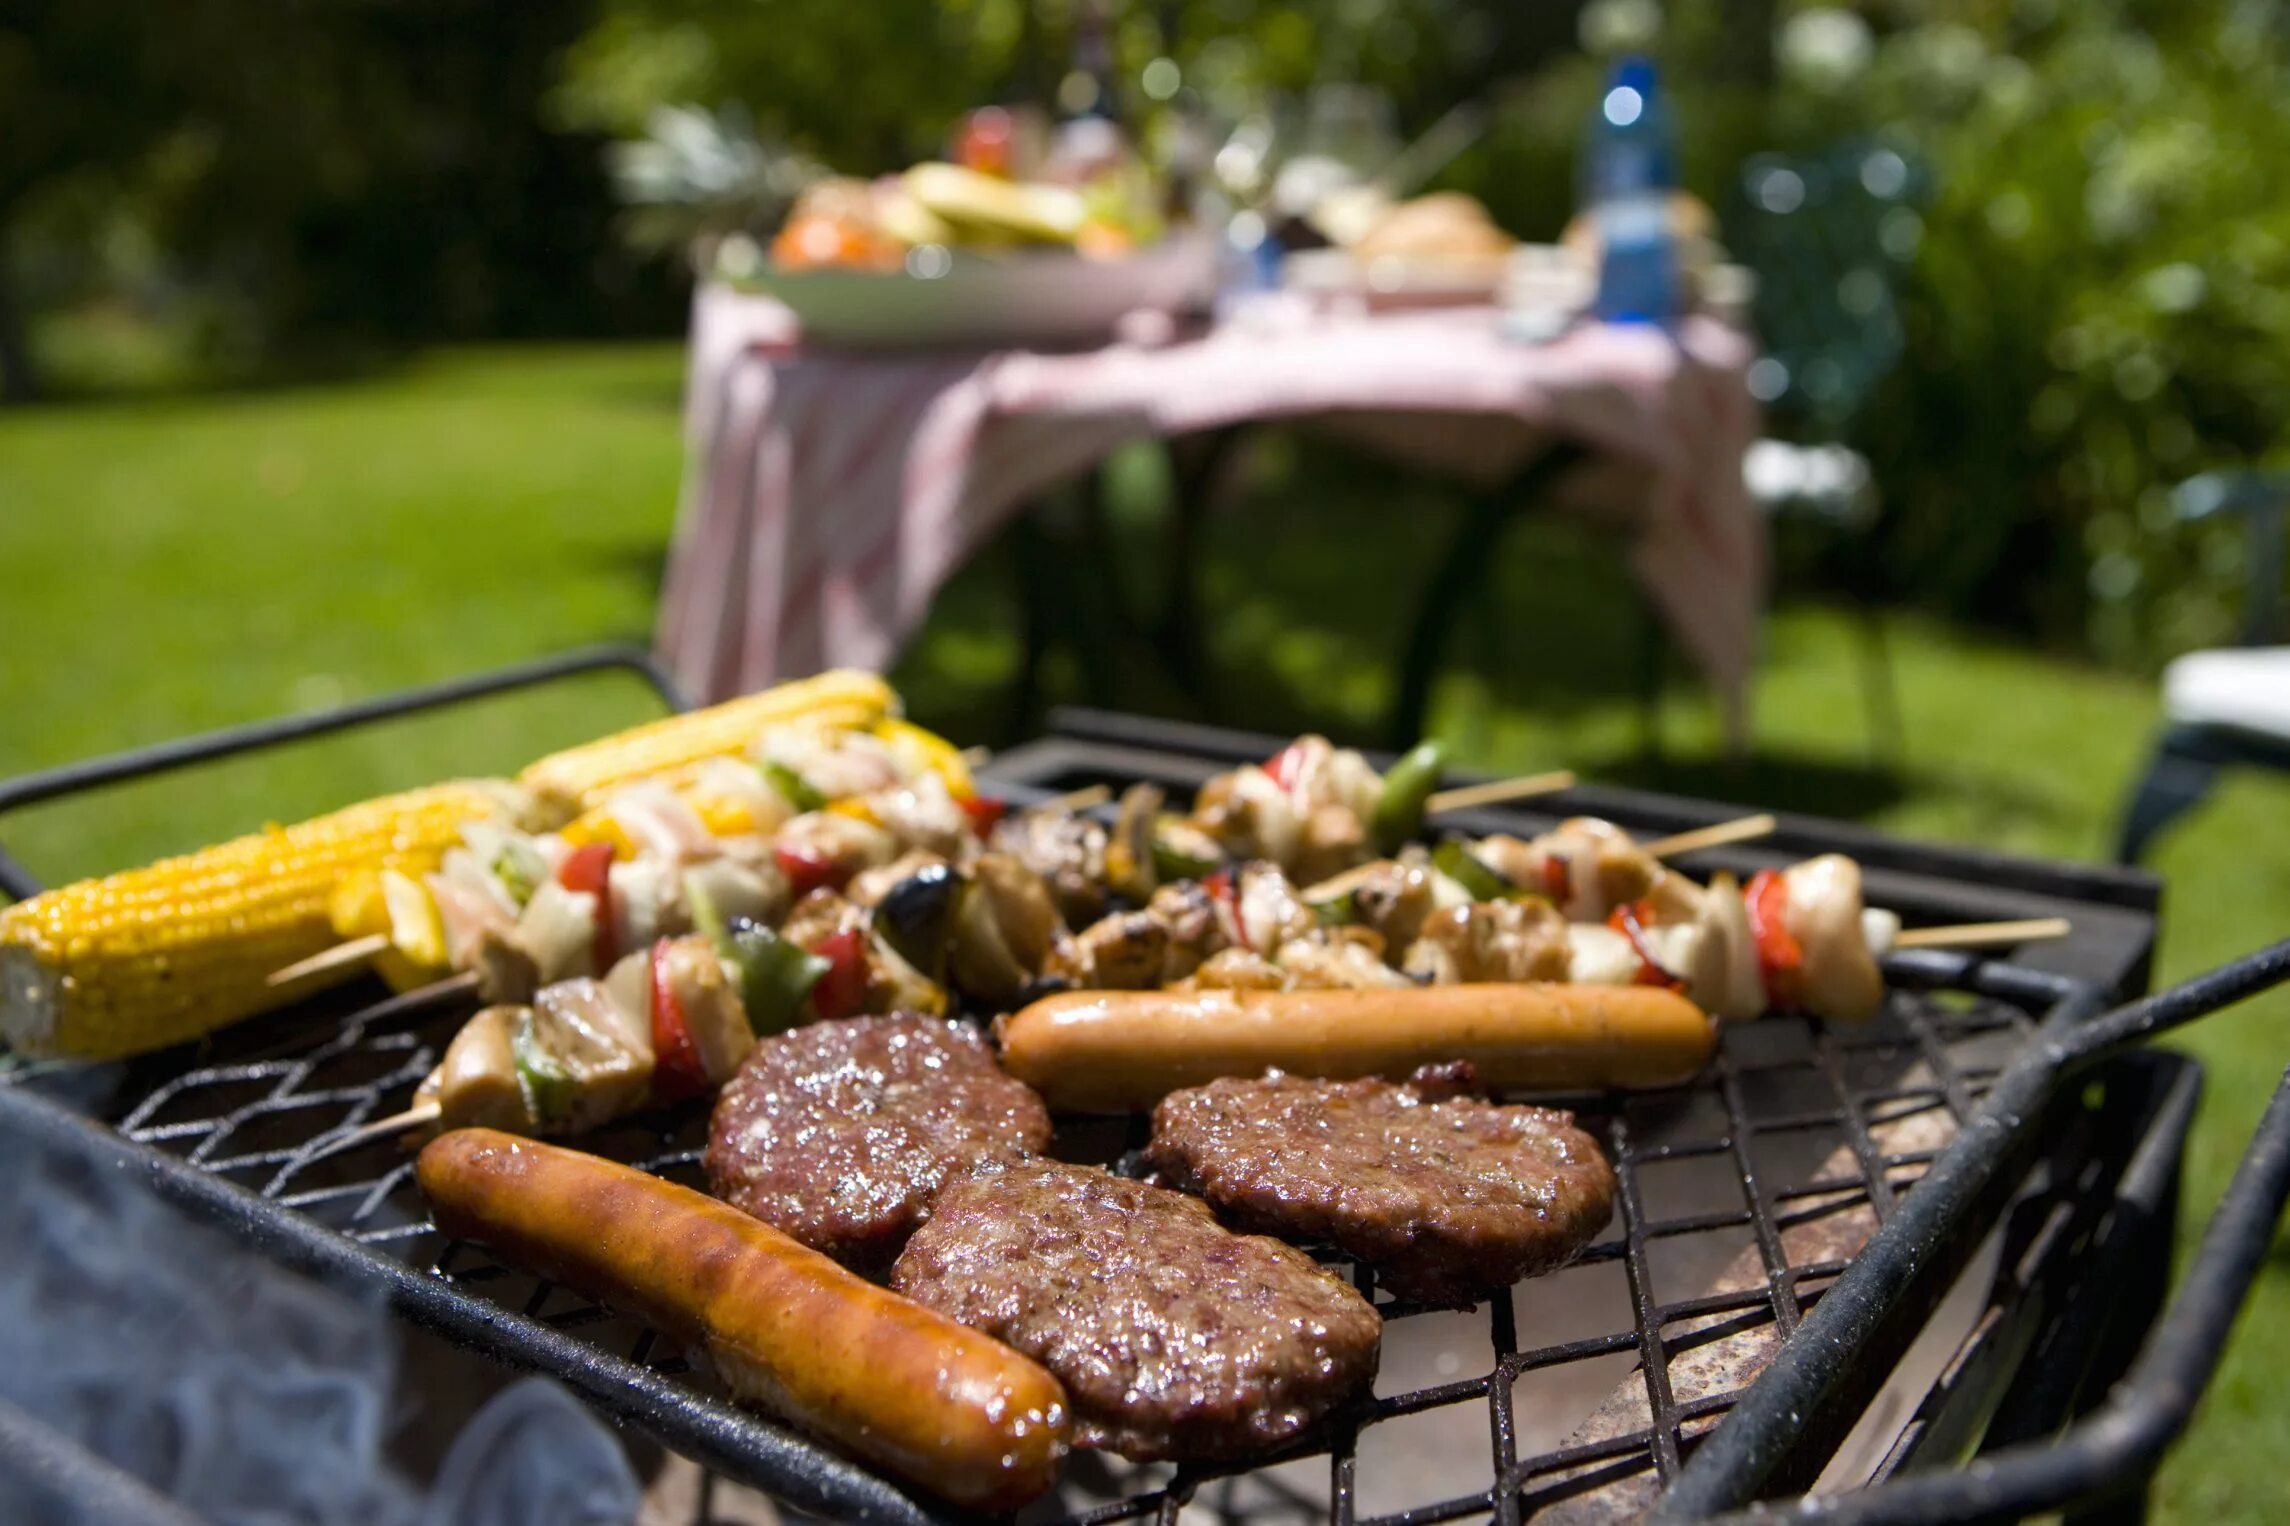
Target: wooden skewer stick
416,1117
1983,934
1076,800
1716,835
341,956
1497,791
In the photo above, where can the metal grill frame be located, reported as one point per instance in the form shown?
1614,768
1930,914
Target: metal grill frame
1863,1308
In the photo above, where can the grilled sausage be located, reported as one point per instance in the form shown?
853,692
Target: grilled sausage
934,1401
1100,1051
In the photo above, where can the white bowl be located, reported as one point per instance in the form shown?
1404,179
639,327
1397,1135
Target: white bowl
1027,297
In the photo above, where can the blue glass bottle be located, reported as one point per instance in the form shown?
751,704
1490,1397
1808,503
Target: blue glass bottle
1628,175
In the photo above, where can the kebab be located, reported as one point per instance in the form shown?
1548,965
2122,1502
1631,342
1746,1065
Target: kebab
584,1051
816,806
666,1024
1315,808
1797,939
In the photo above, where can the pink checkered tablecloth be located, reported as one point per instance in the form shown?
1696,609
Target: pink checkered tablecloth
828,493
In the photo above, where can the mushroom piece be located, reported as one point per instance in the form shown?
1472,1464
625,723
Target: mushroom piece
1840,982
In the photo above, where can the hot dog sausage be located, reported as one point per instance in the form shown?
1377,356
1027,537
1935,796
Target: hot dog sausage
934,1401
1122,1051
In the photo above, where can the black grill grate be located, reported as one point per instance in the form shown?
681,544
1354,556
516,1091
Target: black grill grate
1739,1199
1745,1199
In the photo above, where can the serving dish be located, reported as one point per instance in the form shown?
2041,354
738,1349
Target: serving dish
1005,298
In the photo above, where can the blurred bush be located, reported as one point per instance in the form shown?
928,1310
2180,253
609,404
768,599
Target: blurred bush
2100,306
232,188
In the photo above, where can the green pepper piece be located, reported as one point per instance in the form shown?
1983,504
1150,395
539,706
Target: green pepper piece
1408,784
793,787
516,870
1171,862
1338,910
706,919
1479,879
776,978
549,1088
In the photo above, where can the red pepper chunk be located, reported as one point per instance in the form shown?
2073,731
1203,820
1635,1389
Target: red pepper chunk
984,812
677,1072
1558,878
807,869
842,989
1780,958
1630,919
1284,765
588,871
584,869
1226,893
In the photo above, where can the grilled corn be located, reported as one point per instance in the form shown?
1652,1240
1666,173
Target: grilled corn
569,782
157,955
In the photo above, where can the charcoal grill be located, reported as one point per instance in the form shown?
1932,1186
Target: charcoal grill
1764,1285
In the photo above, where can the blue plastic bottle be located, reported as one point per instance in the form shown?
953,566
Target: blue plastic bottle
1628,174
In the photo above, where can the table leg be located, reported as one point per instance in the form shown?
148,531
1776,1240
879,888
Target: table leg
1034,562
1193,467
1469,557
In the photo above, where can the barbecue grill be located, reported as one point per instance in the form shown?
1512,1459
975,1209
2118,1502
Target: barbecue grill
1840,1261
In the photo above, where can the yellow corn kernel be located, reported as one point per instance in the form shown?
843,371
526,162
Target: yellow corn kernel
597,826
579,778
154,956
926,751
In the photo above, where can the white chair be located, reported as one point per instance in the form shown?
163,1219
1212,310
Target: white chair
2228,707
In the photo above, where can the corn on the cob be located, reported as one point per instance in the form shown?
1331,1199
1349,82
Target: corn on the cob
153,956
572,781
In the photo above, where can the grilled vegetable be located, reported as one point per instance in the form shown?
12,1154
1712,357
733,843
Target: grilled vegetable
1408,784
841,988
776,977
916,918
177,949
792,787
1480,880
1820,905
548,1086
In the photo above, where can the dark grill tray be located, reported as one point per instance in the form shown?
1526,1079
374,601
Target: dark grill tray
1745,1203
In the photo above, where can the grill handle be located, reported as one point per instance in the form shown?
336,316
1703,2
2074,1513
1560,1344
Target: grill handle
2118,1447
1740,1458
18,883
2130,1026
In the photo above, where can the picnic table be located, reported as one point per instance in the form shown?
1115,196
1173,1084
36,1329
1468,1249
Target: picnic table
829,492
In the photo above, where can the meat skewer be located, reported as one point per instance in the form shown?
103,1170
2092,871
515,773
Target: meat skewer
819,804
914,931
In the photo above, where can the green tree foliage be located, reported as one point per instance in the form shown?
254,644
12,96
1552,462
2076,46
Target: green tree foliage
301,176
868,88
2099,308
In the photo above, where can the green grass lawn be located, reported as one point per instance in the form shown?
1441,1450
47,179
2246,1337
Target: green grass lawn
181,564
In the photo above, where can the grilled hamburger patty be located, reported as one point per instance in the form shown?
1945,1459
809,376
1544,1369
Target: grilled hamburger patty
1174,1337
1445,1195
841,1133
